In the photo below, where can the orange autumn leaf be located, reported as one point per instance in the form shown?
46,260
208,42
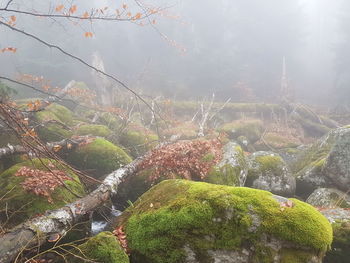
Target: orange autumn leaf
59,8
73,9
13,18
125,6
8,49
86,15
88,34
128,14
138,16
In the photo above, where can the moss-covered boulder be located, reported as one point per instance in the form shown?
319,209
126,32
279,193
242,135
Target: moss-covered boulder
18,203
329,197
276,141
61,118
326,163
138,140
250,128
268,171
231,169
184,221
98,157
93,129
102,248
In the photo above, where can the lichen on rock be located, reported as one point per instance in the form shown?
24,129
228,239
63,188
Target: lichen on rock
268,171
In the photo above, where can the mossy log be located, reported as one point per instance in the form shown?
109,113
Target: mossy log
37,231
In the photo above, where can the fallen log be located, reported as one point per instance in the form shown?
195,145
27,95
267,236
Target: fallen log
37,231
66,144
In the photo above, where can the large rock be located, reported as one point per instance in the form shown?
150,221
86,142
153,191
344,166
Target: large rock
252,129
268,171
230,170
56,120
326,163
138,140
195,222
340,219
329,197
18,203
98,157
93,130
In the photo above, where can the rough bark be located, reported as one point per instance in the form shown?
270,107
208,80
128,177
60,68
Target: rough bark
36,231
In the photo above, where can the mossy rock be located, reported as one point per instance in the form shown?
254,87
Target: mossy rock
268,171
22,204
138,141
183,221
329,197
251,128
102,248
232,169
56,112
110,120
276,141
325,163
94,130
54,131
98,157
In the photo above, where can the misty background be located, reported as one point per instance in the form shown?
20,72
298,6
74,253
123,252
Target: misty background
234,48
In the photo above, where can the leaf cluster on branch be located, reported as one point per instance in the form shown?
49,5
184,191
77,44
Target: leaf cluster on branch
188,159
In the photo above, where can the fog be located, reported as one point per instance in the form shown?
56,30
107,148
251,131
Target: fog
233,48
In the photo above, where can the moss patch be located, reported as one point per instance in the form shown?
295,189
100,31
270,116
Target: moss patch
206,217
138,141
99,157
54,131
94,130
103,248
23,205
252,129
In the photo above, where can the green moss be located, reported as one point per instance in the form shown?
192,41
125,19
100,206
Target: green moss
206,217
252,129
103,248
276,141
99,157
266,164
94,130
138,142
25,204
294,256
54,131
56,112
109,120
